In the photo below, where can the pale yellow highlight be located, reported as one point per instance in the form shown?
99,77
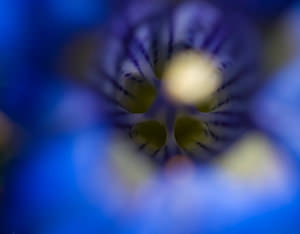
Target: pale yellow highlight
132,168
256,162
191,77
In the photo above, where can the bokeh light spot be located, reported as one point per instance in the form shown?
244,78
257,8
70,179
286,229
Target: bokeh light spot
191,77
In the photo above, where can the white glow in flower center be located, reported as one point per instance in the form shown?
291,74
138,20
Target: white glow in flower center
191,77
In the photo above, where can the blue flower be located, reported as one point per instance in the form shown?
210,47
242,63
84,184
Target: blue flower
263,10
78,170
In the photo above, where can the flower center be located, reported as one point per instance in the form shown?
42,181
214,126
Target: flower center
179,80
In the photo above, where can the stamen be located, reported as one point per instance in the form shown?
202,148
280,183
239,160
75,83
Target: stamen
191,77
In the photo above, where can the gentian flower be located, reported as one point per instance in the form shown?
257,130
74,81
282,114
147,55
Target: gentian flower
136,154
